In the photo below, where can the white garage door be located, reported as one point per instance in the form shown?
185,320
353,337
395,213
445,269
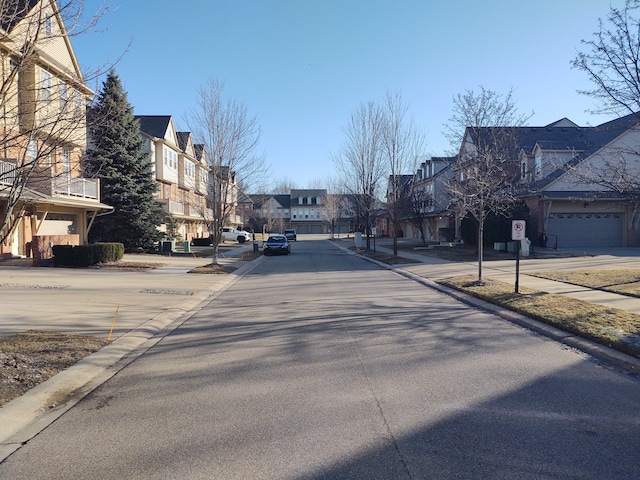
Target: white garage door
586,229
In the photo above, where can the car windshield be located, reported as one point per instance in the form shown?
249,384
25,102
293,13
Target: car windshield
278,239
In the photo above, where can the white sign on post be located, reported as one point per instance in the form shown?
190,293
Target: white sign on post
518,228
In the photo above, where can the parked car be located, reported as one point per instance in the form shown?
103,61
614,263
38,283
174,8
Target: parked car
290,233
277,245
231,234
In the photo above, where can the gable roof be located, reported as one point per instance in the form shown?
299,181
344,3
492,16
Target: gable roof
284,200
22,16
13,12
592,139
154,125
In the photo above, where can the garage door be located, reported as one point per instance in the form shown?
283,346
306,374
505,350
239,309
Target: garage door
586,229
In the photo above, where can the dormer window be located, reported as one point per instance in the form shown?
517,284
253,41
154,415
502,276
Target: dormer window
538,165
523,170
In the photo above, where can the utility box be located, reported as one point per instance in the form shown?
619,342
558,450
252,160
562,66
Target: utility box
358,238
167,246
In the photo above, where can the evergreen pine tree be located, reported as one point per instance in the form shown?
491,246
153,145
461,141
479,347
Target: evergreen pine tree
118,158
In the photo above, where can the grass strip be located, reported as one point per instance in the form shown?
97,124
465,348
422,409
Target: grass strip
623,281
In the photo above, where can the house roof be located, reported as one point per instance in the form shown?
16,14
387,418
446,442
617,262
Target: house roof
13,11
154,125
594,139
284,200
183,140
562,135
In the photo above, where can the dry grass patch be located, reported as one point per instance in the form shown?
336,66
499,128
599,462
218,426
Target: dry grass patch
609,326
214,269
383,257
129,266
30,358
624,281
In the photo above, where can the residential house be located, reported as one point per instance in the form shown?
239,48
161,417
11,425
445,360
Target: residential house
430,202
567,210
308,211
43,195
180,168
271,212
223,195
244,211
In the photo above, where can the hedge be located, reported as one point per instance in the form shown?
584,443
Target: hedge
85,255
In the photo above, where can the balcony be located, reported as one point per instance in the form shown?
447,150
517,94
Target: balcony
7,173
77,187
41,180
176,207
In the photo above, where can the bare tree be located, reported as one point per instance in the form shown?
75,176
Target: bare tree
230,137
284,186
611,61
359,161
334,203
419,203
485,127
43,117
402,145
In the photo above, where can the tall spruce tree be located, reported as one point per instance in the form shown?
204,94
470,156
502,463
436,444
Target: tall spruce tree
117,157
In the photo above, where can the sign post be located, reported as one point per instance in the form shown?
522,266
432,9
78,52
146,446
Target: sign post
518,228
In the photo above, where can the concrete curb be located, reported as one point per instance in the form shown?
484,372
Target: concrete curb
24,417
621,361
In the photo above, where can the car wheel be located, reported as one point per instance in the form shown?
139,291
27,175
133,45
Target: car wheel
241,239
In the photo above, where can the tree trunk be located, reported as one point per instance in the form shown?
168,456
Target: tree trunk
395,241
480,246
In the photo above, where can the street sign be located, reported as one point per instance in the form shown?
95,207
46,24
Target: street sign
518,228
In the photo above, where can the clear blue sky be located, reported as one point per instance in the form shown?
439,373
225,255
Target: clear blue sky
302,66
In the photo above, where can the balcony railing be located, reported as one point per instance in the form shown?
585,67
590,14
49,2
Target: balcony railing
77,187
176,207
7,173
41,181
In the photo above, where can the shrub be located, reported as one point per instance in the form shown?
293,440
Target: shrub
82,256
62,255
107,252
85,255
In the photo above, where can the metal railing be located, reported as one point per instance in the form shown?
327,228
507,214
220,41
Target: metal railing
76,187
7,173
176,207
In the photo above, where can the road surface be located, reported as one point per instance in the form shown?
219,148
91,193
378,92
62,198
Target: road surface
321,365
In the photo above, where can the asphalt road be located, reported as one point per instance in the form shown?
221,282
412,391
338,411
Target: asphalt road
321,365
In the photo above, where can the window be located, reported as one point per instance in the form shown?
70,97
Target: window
65,159
538,165
189,169
77,102
63,93
45,78
523,169
32,151
169,158
47,26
